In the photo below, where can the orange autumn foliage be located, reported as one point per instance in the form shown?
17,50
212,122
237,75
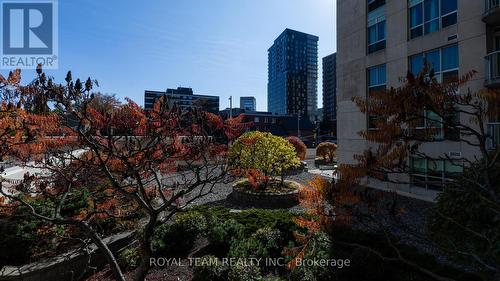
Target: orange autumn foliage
327,204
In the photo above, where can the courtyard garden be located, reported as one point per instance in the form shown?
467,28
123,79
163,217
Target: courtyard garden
248,228
170,194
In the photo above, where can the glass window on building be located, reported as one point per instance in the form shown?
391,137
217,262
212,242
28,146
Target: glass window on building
376,30
377,80
374,4
431,16
448,12
434,173
450,64
444,62
428,16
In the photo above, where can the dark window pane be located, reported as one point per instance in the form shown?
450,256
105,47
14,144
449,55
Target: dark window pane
453,169
372,34
382,75
435,167
376,47
434,60
381,30
450,57
431,26
449,20
416,32
374,4
416,15
448,6
431,10
416,64
372,77
418,165
452,134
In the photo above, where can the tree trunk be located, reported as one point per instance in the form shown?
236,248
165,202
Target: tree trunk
145,248
113,263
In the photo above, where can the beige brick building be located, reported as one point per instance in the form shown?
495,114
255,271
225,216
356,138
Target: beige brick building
378,41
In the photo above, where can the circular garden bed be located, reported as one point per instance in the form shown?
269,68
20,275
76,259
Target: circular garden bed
273,197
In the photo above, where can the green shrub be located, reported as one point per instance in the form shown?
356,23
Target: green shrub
265,243
129,258
319,248
23,236
192,222
272,278
253,220
210,268
21,229
223,232
178,238
241,272
247,222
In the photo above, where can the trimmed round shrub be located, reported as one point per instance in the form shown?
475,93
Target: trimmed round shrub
327,151
261,155
300,147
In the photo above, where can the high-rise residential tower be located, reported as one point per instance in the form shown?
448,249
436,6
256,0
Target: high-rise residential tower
330,88
379,41
248,103
293,74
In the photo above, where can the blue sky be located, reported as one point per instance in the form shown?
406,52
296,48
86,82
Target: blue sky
217,47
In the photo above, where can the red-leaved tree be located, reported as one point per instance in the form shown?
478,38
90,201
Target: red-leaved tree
135,167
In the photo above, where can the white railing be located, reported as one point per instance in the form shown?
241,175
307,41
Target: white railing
493,66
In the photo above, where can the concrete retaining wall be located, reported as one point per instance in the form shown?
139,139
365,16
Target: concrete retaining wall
71,266
264,200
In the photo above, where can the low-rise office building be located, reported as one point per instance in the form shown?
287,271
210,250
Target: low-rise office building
183,98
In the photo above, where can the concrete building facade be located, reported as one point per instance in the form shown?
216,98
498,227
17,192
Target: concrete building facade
293,74
378,41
